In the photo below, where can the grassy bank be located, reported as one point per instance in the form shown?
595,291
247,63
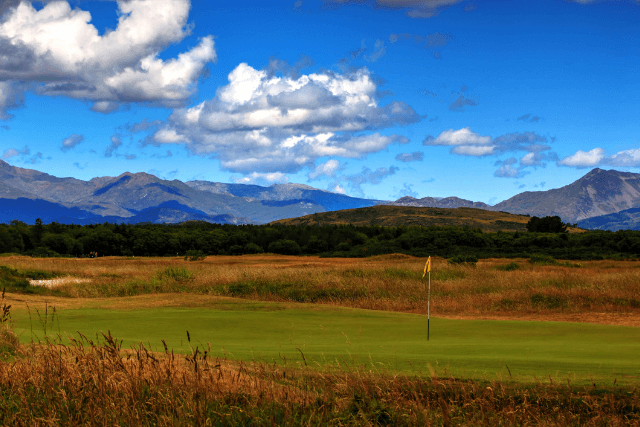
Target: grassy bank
520,351
503,288
98,384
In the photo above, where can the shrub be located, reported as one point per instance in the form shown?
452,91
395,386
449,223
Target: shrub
235,250
177,274
463,259
194,255
542,260
508,267
285,247
252,248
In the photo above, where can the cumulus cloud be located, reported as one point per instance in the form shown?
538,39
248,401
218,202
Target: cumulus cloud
367,176
464,136
262,178
468,143
70,142
12,152
597,157
465,142
406,190
11,97
416,156
327,169
584,159
61,53
267,123
627,158
507,169
116,142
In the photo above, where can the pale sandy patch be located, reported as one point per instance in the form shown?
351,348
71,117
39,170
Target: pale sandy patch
52,283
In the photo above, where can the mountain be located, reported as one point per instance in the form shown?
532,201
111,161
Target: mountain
285,195
433,202
27,194
394,216
628,219
599,192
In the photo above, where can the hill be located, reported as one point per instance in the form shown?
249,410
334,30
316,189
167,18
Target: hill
395,216
599,192
628,219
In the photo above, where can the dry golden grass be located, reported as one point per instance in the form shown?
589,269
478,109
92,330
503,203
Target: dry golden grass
395,216
594,291
96,383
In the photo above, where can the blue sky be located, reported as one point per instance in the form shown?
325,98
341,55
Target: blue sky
378,99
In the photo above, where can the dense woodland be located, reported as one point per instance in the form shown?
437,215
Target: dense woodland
329,240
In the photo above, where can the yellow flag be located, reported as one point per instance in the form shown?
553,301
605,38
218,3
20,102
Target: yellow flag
427,267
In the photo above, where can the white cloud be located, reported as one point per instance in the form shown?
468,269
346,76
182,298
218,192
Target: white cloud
261,122
11,97
367,176
506,170
473,150
116,142
627,158
70,142
584,159
12,152
261,178
328,168
60,52
462,136
336,188
597,157
416,156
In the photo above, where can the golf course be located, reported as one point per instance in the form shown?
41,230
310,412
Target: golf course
560,331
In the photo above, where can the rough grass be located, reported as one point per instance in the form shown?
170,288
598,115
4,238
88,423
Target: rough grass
397,342
494,288
94,382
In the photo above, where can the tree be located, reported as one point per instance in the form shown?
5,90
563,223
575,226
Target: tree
548,224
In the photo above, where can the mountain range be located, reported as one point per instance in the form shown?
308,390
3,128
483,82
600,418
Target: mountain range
601,199
27,194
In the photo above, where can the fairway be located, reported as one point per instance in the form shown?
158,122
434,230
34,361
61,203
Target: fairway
386,341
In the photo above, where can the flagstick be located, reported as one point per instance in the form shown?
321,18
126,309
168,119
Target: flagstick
428,304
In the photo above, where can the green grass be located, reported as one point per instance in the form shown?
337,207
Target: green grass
379,340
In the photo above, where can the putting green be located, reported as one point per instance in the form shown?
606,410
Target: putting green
517,350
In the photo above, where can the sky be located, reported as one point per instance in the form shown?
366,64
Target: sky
381,99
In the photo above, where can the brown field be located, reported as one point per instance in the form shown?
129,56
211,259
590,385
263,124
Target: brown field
605,292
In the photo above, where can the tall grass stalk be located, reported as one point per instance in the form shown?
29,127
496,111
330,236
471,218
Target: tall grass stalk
96,382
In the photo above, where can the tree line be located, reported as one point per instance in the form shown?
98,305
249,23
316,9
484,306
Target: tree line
108,239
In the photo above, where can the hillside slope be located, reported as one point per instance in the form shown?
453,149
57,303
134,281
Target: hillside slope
395,216
599,192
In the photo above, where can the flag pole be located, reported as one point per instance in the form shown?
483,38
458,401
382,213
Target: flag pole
427,268
428,305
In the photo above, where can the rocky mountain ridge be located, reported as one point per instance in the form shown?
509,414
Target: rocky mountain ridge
26,194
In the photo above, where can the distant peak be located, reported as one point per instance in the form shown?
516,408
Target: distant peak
290,185
406,199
